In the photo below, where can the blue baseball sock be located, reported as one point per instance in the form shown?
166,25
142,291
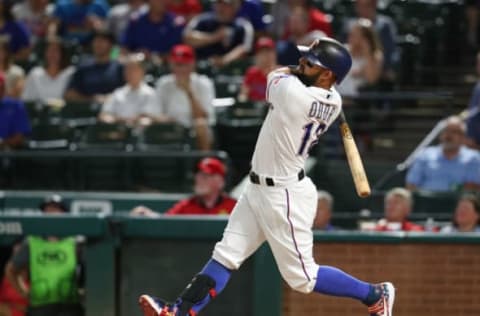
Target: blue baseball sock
220,274
332,281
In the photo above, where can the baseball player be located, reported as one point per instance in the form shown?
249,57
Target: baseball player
279,203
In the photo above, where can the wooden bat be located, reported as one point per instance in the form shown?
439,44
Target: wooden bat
354,159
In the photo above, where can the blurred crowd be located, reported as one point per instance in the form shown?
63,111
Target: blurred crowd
103,52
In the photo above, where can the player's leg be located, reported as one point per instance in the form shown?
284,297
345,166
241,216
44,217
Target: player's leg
241,238
288,231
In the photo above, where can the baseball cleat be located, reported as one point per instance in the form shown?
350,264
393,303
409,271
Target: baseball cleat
152,306
384,306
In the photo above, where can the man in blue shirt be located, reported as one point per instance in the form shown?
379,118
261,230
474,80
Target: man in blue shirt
449,166
155,31
95,79
14,123
220,35
76,19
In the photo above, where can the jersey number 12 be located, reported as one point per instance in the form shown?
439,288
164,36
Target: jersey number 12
308,143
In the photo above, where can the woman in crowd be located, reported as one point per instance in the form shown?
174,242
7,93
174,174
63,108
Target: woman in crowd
49,81
367,59
467,215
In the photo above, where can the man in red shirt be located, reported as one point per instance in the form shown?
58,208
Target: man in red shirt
255,79
398,205
209,197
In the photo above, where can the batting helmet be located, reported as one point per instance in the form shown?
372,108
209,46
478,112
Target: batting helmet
330,54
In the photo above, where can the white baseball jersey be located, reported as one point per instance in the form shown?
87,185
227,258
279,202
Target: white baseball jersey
282,214
298,116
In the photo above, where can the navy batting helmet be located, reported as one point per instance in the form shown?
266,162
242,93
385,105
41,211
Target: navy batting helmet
330,54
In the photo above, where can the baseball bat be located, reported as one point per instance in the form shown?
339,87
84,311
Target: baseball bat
354,160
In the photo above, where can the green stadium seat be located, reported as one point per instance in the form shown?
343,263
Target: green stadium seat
50,136
37,112
105,136
164,136
80,113
247,110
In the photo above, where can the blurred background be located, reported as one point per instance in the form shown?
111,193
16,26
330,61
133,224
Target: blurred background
127,128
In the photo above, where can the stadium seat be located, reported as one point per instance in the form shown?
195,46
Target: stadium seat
165,136
243,110
105,136
77,114
36,111
50,136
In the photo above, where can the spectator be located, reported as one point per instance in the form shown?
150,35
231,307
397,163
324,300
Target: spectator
449,166
219,35
466,217
252,10
209,197
367,59
316,20
154,32
121,14
35,15
96,78
473,122
76,20
187,9
14,124
324,212
398,205
129,103
299,35
18,36
59,278
12,303
6,58
14,83
385,28
49,81
187,97
255,79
